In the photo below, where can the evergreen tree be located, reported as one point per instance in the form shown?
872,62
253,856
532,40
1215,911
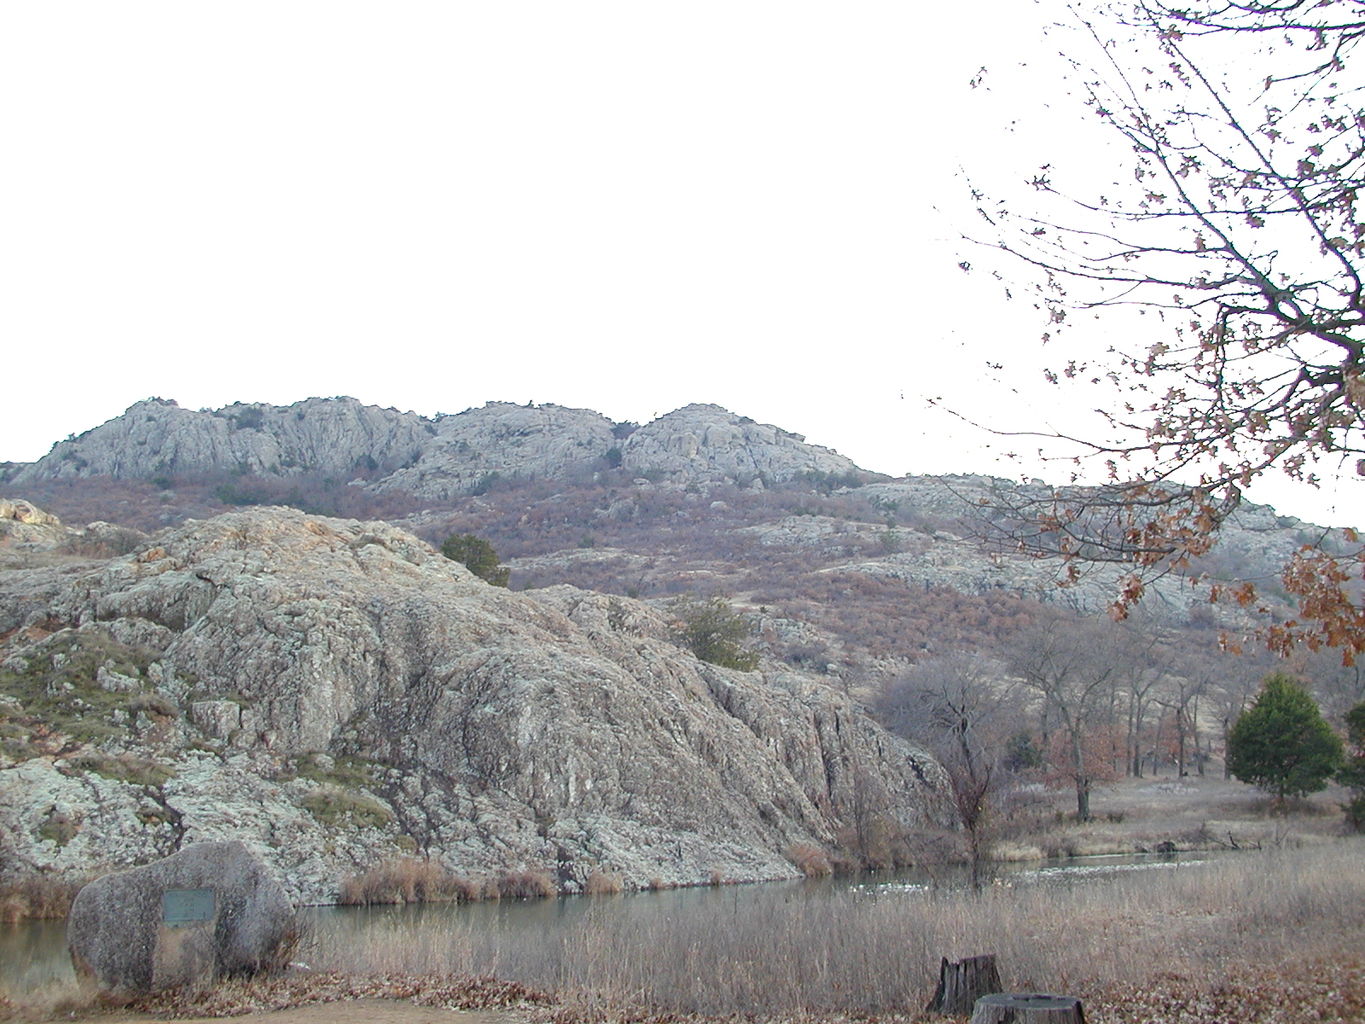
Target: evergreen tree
478,557
1353,774
1282,743
714,632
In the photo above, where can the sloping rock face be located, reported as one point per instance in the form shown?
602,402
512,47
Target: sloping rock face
208,912
474,448
158,438
708,443
336,692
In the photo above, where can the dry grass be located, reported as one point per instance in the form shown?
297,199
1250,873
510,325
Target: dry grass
810,860
860,953
1268,937
405,880
1194,813
526,885
602,883
275,992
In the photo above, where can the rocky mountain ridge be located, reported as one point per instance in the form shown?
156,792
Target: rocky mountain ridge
335,692
698,500
441,458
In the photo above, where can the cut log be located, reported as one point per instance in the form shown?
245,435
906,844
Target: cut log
1027,1008
962,983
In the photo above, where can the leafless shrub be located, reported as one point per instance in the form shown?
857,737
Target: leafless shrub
602,883
525,885
810,860
405,880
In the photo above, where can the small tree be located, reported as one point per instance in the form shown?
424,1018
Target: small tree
478,557
1352,775
1073,669
960,708
715,632
1282,744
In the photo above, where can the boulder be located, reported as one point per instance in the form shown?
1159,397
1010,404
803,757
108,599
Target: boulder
210,911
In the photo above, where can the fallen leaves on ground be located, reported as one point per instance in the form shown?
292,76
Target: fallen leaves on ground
285,991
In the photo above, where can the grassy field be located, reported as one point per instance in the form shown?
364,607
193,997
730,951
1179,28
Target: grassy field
1195,813
1208,924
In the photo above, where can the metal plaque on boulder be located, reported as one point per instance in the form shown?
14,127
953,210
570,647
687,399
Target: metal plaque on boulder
180,907
210,911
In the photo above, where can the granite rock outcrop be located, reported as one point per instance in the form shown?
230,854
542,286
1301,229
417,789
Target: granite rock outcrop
335,692
709,443
470,451
440,458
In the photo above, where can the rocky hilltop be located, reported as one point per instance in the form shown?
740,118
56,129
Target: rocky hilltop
158,439
336,693
708,443
441,458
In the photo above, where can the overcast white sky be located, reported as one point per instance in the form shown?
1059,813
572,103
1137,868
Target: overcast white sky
624,206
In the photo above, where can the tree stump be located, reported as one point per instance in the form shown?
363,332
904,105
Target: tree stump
1027,1008
962,983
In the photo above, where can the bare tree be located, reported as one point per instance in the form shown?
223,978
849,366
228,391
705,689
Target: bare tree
1237,237
1072,666
1142,661
1338,688
959,706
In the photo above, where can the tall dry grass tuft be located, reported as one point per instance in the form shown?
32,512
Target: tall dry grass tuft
602,883
405,880
876,951
526,885
810,860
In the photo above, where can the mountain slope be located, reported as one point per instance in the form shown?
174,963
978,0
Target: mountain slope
335,692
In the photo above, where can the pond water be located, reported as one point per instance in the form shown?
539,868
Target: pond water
33,954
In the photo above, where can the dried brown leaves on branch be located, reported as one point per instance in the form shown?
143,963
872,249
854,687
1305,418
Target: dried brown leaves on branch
1234,233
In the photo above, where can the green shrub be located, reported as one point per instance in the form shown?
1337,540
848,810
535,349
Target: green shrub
55,690
334,806
59,827
344,773
137,771
478,557
714,632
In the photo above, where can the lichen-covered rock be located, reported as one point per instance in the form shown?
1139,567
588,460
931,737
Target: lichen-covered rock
708,443
472,450
337,692
25,513
156,438
438,458
210,911
24,527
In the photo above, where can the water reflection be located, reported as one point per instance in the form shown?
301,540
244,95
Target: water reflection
33,956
